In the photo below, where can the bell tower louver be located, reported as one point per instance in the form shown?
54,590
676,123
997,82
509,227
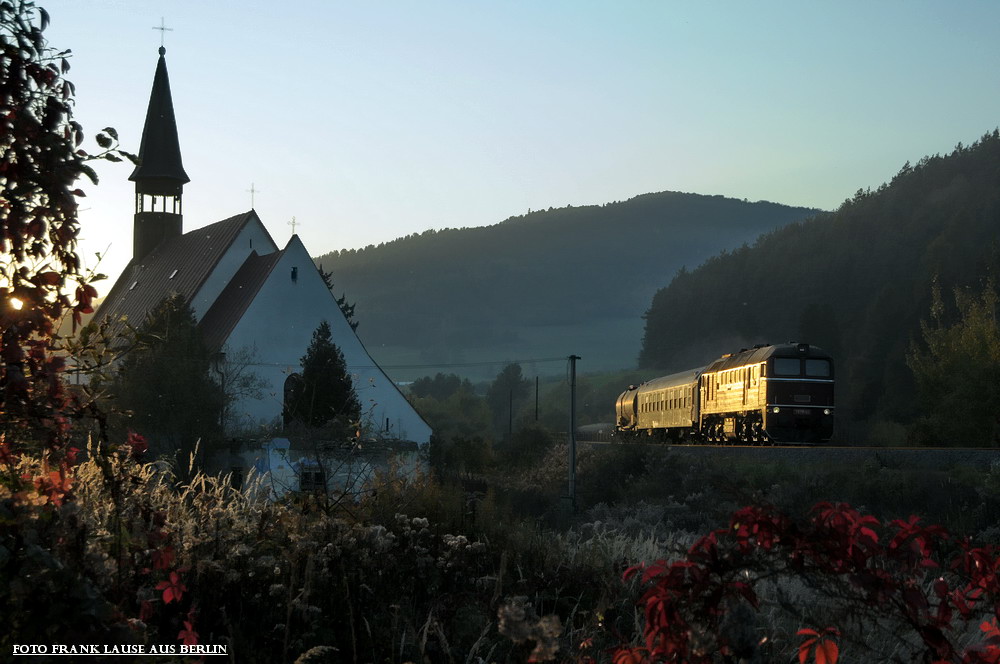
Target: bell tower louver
159,177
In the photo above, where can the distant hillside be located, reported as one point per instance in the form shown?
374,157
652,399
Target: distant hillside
857,282
545,284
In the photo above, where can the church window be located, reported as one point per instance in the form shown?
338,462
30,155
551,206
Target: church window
295,275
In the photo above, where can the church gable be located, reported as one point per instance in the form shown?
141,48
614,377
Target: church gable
289,302
281,301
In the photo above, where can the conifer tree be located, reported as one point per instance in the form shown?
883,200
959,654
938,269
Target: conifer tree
324,395
346,307
166,384
957,372
505,395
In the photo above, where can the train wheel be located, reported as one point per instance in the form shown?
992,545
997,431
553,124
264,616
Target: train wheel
745,431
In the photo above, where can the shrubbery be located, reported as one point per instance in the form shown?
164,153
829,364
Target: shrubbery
136,558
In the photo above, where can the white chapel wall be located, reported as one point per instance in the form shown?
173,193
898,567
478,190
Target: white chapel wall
279,324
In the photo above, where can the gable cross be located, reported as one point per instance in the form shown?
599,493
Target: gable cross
293,224
163,30
253,191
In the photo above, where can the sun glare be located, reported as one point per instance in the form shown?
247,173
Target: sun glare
16,303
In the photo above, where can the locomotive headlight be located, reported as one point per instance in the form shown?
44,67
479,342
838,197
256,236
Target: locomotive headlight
775,410
826,411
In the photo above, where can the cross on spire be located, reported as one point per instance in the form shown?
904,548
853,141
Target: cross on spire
293,224
163,30
253,191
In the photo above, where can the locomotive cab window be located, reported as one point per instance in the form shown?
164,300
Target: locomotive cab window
786,366
818,368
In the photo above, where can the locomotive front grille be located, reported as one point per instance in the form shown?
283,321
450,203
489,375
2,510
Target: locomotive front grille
802,398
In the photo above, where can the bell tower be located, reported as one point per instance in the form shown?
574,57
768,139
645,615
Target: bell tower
159,177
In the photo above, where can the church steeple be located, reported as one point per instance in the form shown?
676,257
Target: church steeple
159,177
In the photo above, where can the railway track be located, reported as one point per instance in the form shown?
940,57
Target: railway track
929,458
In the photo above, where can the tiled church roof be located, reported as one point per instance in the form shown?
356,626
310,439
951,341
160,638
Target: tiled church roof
179,265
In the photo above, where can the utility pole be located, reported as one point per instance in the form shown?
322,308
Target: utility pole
510,415
536,398
572,431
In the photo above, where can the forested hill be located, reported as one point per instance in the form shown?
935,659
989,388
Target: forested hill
548,283
857,282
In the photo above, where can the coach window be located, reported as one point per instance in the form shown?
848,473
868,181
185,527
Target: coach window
818,368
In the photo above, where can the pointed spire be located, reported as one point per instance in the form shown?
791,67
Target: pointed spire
160,151
159,178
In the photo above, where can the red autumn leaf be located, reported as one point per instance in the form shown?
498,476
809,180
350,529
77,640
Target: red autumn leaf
137,443
173,590
54,486
827,652
187,635
804,649
632,571
163,558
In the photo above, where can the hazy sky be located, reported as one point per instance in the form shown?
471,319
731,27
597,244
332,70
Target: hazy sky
368,120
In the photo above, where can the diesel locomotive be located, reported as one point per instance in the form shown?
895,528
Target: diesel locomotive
761,395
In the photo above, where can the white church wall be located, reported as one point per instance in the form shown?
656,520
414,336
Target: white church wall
279,325
253,237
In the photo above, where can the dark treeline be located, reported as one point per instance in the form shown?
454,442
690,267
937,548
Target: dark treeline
857,282
574,265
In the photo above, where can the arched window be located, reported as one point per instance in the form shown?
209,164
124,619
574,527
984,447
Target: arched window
292,388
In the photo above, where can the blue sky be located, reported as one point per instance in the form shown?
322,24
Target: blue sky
371,120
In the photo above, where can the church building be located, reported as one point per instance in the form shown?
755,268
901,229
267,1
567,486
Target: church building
250,297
